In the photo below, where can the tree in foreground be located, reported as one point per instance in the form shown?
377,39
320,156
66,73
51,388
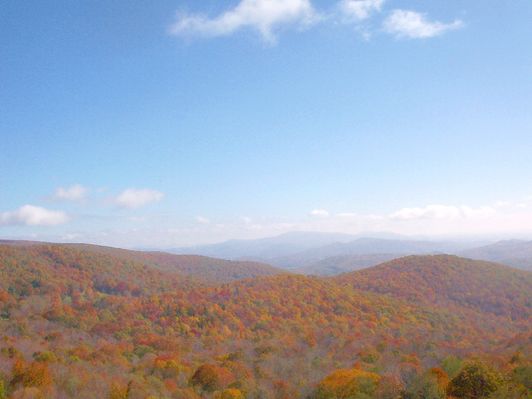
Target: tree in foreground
429,385
348,384
474,381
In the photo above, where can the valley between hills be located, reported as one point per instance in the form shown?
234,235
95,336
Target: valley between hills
85,321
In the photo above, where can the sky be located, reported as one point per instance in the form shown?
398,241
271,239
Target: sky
172,123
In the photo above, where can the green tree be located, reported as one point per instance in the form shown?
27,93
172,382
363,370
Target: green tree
510,391
425,386
523,376
3,394
451,365
475,381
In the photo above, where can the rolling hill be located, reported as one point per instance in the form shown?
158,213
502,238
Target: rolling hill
344,263
53,267
330,253
446,280
514,253
266,248
81,322
201,268
325,253
365,247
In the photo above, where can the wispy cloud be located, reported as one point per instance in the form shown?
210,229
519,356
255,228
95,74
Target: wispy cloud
77,192
247,220
202,220
321,213
360,9
30,215
502,219
264,16
134,198
415,25
267,17
441,212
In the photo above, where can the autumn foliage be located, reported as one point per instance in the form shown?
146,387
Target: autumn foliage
347,383
91,322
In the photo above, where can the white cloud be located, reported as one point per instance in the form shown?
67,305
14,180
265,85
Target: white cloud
263,16
73,193
441,212
71,236
415,25
133,198
511,219
322,213
360,9
202,220
347,215
29,215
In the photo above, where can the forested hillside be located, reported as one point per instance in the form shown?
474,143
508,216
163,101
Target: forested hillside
446,280
203,268
514,253
345,263
80,322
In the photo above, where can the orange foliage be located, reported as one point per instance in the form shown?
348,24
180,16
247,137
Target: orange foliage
102,315
347,383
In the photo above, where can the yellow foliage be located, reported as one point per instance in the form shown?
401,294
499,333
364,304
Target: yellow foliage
118,391
346,383
231,393
28,393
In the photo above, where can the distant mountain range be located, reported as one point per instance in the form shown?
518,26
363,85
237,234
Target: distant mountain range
362,247
344,263
514,253
310,253
266,248
333,253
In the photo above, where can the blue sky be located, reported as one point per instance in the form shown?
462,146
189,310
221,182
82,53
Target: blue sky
179,122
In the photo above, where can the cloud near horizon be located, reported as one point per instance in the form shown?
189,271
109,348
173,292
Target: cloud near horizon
202,220
502,220
441,212
30,215
135,198
321,213
264,16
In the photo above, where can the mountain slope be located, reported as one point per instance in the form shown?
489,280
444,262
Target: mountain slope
514,253
51,266
96,319
449,281
266,248
344,263
367,246
201,268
